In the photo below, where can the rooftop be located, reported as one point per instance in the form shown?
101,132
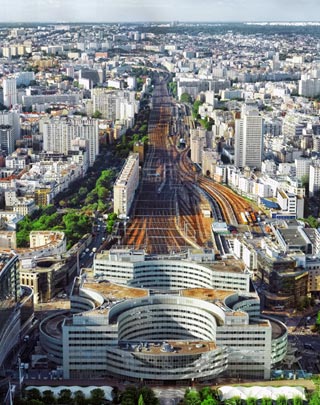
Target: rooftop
133,256
53,325
292,237
206,294
114,292
171,347
278,329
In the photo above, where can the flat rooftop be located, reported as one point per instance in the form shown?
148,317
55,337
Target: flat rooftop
134,256
292,237
228,265
112,292
171,348
206,294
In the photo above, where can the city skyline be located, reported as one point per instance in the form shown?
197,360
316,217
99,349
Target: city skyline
140,10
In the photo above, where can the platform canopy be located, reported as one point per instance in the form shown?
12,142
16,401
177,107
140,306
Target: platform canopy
258,392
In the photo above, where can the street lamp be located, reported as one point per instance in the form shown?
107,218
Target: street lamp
21,375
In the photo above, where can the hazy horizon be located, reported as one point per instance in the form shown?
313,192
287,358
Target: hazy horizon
126,11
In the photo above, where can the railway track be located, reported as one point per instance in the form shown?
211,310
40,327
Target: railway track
230,204
154,223
166,215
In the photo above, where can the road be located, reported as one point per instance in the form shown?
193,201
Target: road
99,229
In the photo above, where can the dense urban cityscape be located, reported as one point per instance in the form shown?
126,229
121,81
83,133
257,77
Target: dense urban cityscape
160,196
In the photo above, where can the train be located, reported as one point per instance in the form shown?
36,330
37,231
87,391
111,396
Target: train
244,218
248,217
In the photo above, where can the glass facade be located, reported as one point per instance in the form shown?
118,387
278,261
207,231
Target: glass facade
9,289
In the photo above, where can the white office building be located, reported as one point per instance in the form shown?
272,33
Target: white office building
302,166
309,86
314,178
115,105
198,141
290,203
249,139
10,93
164,320
58,134
126,185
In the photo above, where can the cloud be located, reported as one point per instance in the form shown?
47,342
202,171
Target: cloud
145,10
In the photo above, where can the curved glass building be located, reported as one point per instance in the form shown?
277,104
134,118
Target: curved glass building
140,318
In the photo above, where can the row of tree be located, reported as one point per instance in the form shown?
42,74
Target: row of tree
139,133
143,395
204,122
75,224
65,397
130,396
72,223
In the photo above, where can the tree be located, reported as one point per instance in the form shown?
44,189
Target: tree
129,396
281,400
297,400
97,396
305,181
210,401
317,323
185,98
207,124
266,401
83,191
251,401
144,139
115,395
140,401
315,398
34,393
195,108
113,216
65,397
62,203
173,88
312,221
79,398
97,114
48,397
192,397
205,393
149,397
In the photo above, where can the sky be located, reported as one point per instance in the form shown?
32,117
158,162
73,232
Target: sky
158,10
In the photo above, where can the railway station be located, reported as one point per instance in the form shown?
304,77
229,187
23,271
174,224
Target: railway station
145,317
